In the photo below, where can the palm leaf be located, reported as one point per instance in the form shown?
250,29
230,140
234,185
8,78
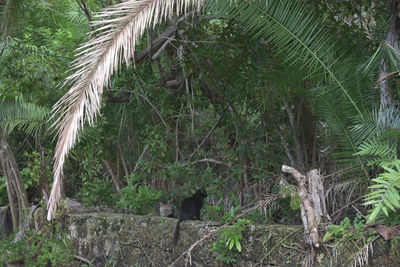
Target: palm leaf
378,151
75,15
119,27
298,36
24,116
384,51
375,124
378,135
297,33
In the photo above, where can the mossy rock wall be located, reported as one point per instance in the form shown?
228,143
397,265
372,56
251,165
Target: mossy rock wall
130,240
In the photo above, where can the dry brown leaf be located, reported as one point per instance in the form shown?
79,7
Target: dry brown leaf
386,232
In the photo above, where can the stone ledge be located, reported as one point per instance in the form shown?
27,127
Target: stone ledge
131,240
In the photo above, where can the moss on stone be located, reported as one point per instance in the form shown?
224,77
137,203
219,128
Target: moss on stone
127,240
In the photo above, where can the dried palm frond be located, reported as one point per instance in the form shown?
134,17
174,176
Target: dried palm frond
119,27
361,257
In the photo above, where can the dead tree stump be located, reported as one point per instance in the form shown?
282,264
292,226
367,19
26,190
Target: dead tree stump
312,202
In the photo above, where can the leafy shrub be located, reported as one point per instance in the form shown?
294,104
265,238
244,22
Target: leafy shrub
41,248
96,190
34,171
228,246
347,231
138,197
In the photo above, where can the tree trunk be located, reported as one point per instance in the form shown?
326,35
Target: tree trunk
16,192
44,181
392,40
310,190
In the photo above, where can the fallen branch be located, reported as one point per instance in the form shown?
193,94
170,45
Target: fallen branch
82,259
145,253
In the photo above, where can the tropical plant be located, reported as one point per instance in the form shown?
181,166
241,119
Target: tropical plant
28,117
24,116
379,135
228,245
385,191
300,66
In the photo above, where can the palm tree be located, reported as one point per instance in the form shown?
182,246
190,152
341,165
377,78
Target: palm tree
31,119
17,197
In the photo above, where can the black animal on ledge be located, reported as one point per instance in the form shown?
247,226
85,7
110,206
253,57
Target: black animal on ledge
190,209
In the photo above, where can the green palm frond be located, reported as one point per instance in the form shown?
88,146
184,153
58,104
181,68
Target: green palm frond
334,108
298,36
378,135
367,126
377,151
24,116
335,111
385,195
384,51
296,32
386,124
75,15
279,81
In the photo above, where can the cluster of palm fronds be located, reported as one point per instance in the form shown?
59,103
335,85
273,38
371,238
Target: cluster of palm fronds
380,133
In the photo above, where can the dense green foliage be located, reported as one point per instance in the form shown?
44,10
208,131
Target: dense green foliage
47,246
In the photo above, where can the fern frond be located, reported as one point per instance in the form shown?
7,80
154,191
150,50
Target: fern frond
385,193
